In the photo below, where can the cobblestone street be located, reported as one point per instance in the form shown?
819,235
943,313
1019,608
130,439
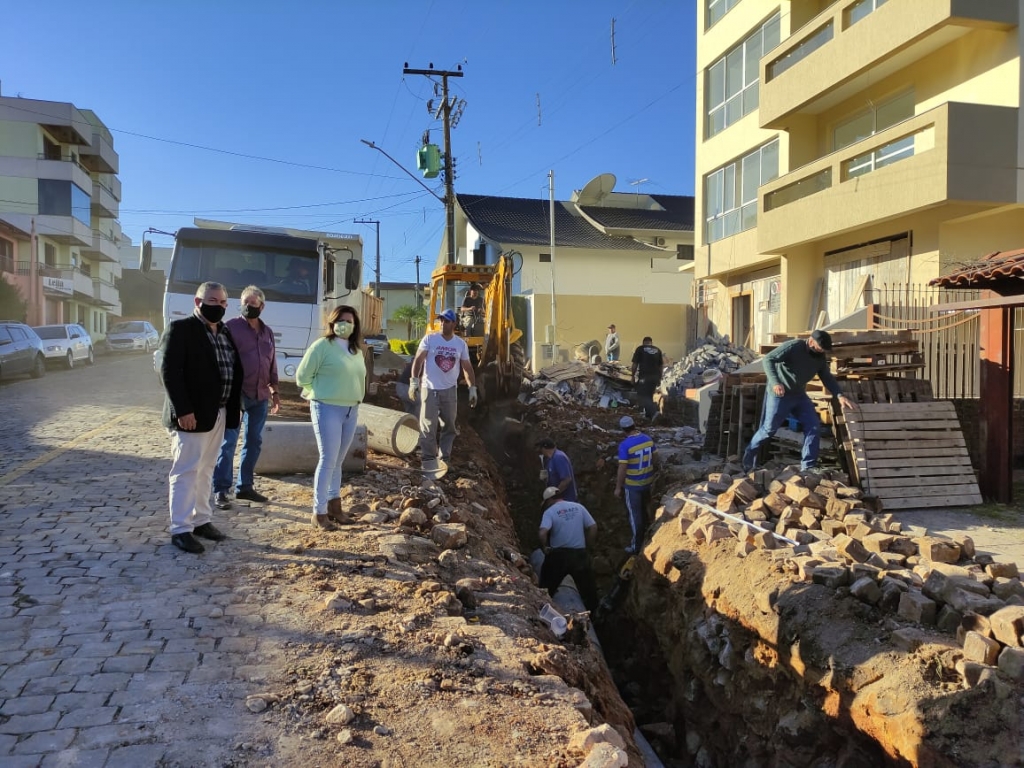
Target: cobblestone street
113,642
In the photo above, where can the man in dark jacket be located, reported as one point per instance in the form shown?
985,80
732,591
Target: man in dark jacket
647,364
790,366
202,378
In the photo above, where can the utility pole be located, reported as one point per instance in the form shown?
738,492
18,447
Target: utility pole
419,292
376,288
554,314
445,110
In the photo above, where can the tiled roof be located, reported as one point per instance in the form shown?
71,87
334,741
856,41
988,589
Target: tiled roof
632,218
9,229
525,221
1000,265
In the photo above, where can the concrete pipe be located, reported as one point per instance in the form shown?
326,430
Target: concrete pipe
290,446
388,431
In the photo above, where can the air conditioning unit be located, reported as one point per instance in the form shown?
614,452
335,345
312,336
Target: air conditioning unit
659,241
701,294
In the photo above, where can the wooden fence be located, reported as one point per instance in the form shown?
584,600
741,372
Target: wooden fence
950,341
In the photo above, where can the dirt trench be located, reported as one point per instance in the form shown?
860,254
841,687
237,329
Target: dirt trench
724,661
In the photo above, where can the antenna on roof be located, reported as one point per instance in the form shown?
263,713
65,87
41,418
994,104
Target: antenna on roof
636,184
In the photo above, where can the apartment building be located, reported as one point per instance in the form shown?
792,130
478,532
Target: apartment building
847,145
59,192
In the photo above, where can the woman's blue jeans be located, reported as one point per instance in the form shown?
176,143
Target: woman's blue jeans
335,428
776,411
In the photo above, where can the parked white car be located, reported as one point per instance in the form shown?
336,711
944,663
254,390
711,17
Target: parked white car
133,336
68,343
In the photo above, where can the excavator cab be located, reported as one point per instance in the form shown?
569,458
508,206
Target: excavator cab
482,298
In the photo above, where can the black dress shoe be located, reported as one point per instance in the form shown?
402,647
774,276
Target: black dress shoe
187,542
250,494
221,500
207,531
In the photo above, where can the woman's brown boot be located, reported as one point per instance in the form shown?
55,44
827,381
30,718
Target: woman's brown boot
334,512
323,522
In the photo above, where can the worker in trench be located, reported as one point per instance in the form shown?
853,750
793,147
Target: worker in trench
566,530
635,478
556,469
790,367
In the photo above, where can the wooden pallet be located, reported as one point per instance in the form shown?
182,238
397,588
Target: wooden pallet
910,455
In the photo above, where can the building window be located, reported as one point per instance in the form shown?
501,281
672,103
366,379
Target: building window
800,52
62,198
684,252
716,9
6,255
732,81
49,255
859,10
730,193
545,257
866,124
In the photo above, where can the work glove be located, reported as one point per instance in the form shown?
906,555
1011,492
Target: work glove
472,397
414,389
543,475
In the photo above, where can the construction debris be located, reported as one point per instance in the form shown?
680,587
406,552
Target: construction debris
713,357
823,531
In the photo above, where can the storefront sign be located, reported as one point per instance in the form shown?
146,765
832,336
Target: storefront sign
58,285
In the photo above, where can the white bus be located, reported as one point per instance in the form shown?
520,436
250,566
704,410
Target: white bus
302,278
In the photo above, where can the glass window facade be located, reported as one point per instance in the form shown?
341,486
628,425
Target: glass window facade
63,198
730,193
732,81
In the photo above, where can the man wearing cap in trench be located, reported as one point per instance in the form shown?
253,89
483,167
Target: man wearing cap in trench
635,478
439,360
557,472
790,366
565,531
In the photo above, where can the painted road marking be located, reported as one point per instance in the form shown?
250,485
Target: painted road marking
28,466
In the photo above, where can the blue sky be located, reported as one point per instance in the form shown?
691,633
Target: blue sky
303,82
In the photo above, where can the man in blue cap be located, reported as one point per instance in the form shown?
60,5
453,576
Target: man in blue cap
439,359
790,366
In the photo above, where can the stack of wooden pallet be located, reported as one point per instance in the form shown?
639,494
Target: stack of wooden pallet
867,354
900,445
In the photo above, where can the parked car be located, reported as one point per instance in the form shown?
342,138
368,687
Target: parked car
21,351
133,336
378,342
69,343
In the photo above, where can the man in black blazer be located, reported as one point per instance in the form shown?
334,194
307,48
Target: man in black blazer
202,378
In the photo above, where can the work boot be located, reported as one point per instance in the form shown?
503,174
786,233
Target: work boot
335,513
323,522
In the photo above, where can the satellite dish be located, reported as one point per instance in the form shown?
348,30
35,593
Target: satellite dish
596,189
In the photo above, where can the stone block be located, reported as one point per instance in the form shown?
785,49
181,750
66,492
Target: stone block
1008,625
850,548
449,535
966,546
853,519
765,540
813,501
1011,662
891,560
1004,588
939,550
808,519
797,492
830,576
972,622
726,502
744,547
862,531
833,527
777,503
602,734
838,508
949,619
981,649
716,532
915,606
973,672
759,515
903,545
891,594
908,639
866,590
877,542
1002,570
744,490
965,602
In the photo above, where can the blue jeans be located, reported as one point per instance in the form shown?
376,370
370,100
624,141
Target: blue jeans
254,416
776,411
335,429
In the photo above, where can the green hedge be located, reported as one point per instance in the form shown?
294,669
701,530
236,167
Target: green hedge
400,347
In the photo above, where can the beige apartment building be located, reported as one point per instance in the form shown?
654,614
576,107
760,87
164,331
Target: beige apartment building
849,145
59,199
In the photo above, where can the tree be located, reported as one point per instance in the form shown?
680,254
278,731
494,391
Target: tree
413,317
12,306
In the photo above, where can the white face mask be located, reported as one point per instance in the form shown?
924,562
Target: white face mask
344,328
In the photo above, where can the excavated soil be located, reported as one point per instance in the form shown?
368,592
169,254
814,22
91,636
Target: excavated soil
722,661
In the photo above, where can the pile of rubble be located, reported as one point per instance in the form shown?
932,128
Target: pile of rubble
713,356
822,531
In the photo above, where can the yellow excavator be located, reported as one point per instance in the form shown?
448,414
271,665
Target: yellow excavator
485,322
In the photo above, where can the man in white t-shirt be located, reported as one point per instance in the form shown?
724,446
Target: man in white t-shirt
436,367
565,531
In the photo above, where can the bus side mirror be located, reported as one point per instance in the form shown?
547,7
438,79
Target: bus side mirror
352,274
146,256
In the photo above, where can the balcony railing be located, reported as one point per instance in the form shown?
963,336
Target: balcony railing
7,264
63,159
952,152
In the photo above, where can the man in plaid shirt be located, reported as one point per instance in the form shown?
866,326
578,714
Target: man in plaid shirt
202,377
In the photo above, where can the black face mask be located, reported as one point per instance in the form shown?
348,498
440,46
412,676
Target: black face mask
212,313
249,312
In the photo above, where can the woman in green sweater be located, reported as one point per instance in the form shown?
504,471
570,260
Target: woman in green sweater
332,376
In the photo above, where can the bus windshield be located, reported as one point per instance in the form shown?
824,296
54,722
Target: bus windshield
289,276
